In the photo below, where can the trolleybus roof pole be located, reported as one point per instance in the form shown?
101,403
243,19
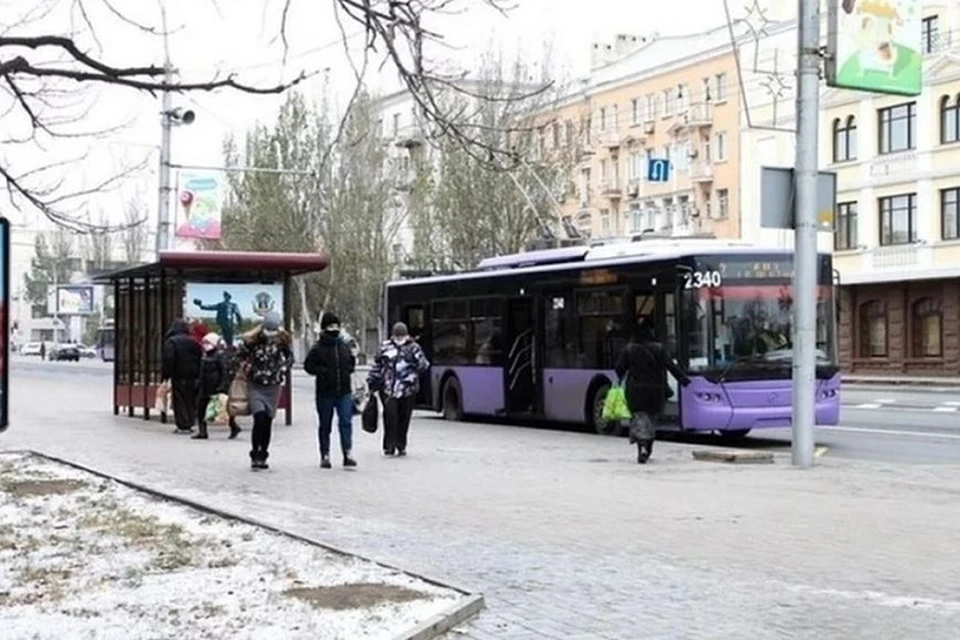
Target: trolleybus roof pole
805,234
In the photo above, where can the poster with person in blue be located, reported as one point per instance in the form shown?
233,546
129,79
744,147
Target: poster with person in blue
4,319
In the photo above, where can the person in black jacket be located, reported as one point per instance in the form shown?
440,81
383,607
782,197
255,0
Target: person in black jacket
181,366
332,363
213,376
645,363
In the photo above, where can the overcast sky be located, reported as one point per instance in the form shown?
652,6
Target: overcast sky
220,36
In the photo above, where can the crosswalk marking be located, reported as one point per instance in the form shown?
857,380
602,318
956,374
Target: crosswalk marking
868,405
952,403
886,401
946,409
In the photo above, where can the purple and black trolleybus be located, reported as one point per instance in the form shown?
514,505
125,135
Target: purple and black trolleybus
536,335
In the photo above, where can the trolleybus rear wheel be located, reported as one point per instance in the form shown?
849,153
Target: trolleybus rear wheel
734,434
452,404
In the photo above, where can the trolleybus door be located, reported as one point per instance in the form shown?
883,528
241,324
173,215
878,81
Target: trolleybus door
521,358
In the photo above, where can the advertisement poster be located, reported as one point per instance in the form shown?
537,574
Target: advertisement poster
4,320
75,300
199,205
232,309
876,46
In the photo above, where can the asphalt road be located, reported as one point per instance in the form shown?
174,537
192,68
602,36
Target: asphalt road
898,424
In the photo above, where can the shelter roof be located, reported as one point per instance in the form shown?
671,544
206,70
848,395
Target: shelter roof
223,266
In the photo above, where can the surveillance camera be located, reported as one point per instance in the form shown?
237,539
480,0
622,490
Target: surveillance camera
183,116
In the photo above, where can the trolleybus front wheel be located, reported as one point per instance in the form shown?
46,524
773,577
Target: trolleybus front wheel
597,396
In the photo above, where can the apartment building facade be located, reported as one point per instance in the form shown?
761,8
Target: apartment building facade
674,99
897,233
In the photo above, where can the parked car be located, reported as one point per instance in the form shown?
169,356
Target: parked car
87,352
30,349
60,352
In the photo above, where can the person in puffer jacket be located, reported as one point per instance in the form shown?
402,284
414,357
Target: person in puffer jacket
332,363
395,375
213,373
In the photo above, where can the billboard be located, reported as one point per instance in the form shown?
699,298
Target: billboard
4,321
231,309
199,205
75,300
875,45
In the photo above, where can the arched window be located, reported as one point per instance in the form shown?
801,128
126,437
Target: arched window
926,328
873,329
949,119
844,139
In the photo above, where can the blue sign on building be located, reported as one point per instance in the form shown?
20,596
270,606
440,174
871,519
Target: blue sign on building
658,170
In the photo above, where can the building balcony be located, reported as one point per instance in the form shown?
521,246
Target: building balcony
701,172
611,189
901,257
609,139
698,115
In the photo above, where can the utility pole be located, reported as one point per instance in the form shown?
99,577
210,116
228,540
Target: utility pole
805,235
166,124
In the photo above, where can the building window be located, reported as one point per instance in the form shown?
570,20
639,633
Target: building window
605,227
930,34
950,213
603,118
926,328
898,128
898,219
396,124
707,91
636,111
651,111
720,146
568,133
683,100
844,139
723,203
720,92
636,165
950,119
668,102
636,218
845,232
873,330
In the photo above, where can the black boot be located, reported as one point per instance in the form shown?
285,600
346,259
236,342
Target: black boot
234,430
202,433
348,461
643,454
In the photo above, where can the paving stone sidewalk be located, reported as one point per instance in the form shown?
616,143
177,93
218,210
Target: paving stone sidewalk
563,532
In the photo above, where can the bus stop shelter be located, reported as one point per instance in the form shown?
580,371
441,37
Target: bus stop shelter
149,297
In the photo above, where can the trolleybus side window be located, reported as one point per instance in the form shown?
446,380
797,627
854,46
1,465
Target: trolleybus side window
558,333
451,332
485,320
602,334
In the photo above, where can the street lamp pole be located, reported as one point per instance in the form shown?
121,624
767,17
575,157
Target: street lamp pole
166,124
805,234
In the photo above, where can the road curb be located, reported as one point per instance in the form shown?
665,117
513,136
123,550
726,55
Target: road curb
469,605
901,382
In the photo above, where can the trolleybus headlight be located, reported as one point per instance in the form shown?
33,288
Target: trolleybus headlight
709,397
829,393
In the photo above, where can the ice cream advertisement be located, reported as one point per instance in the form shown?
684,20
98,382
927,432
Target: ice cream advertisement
876,46
199,205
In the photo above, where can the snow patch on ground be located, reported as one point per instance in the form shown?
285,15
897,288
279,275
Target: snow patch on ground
86,557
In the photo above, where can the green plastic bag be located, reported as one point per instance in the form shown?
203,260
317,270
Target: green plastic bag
615,408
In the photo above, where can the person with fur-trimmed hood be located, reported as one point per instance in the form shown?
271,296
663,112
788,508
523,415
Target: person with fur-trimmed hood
267,352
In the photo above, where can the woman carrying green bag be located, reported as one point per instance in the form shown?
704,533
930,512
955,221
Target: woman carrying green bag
643,366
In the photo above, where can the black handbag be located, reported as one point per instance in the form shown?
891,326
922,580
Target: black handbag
371,414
